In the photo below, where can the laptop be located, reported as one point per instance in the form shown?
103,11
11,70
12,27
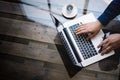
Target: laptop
82,52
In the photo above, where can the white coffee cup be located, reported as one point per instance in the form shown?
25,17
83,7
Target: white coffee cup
69,8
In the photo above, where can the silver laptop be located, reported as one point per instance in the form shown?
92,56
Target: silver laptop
82,52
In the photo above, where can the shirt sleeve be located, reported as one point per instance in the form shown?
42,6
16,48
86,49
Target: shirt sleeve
110,12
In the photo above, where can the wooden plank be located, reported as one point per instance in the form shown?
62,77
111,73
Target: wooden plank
25,62
17,8
31,12
39,70
52,75
28,70
14,16
33,51
28,30
36,3
13,39
108,77
95,67
55,67
83,77
91,75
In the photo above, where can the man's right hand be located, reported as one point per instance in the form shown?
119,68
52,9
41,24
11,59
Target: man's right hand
90,28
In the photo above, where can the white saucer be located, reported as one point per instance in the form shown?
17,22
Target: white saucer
69,14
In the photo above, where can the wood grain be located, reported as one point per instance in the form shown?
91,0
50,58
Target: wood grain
28,30
38,52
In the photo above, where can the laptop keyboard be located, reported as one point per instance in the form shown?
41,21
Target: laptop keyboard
86,47
67,48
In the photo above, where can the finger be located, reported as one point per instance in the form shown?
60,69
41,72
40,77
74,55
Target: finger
80,29
81,26
102,43
106,50
82,32
106,45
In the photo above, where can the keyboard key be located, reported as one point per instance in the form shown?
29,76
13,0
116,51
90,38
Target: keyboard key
85,46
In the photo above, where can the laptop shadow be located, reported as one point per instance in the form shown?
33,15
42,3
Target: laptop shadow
70,67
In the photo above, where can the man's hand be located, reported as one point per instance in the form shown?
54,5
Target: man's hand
90,28
110,43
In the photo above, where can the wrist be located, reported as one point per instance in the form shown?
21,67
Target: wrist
99,24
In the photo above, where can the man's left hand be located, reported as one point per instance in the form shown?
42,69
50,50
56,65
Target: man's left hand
110,43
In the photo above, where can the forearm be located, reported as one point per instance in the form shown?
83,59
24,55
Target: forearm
110,12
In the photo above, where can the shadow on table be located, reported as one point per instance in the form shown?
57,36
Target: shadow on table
70,67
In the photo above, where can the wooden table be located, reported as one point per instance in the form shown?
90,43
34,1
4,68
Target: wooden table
30,47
